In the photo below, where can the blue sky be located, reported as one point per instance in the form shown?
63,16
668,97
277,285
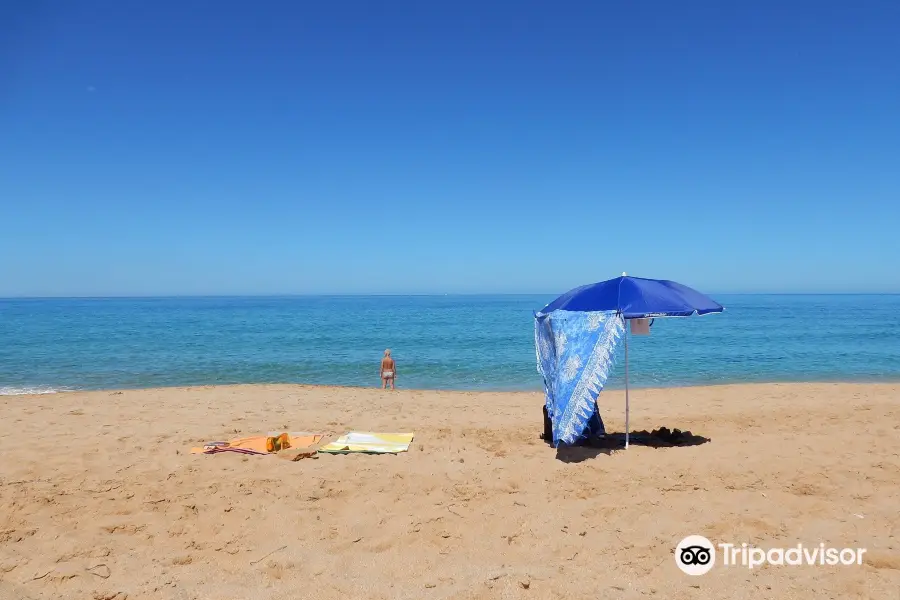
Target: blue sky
416,147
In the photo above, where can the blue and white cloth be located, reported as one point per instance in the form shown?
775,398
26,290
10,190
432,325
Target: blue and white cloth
575,353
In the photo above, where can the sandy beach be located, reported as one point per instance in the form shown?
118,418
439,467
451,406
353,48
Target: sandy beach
102,499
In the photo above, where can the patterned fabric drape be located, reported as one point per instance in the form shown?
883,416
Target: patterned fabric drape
575,353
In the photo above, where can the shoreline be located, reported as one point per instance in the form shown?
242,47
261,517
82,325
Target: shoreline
50,391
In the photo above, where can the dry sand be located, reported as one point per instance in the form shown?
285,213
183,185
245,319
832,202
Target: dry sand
101,499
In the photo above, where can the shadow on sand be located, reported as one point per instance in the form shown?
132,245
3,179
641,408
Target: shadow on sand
612,442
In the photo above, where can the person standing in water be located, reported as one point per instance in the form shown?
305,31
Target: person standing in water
388,370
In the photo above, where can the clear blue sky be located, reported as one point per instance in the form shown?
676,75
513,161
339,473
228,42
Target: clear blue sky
407,147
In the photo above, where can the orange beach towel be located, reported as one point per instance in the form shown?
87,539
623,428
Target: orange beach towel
264,444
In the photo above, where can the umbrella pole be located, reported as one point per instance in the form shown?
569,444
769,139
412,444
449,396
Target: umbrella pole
627,406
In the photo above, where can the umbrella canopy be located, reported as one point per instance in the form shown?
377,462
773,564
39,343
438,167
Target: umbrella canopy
636,298
613,302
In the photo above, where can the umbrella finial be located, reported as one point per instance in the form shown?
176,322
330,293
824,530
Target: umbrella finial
624,274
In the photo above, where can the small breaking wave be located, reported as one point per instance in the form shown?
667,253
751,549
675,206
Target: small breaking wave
29,390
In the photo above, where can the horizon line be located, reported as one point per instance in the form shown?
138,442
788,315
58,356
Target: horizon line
394,295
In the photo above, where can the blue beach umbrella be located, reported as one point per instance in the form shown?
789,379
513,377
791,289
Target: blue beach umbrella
575,362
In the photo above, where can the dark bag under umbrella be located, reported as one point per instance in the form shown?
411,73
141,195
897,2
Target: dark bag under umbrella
548,427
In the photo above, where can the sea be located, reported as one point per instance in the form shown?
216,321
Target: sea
439,342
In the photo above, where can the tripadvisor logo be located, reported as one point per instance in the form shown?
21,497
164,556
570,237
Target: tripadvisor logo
696,555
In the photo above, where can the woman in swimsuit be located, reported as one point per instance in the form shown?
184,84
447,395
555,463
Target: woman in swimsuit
388,370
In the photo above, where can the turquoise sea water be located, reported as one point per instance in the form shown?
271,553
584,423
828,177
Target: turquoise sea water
439,342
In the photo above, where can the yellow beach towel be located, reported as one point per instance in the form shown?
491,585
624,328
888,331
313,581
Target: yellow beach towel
370,443
263,444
